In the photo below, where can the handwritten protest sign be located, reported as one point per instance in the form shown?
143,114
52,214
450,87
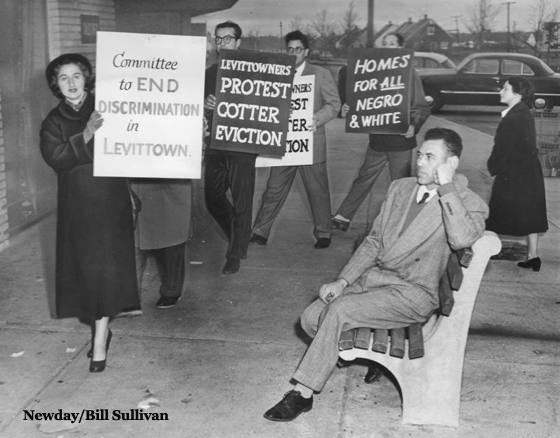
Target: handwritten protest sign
299,142
149,89
377,90
253,94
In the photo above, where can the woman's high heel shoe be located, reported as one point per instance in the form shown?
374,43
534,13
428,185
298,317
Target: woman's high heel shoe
90,351
97,366
535,264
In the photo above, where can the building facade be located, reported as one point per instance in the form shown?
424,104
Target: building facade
35,31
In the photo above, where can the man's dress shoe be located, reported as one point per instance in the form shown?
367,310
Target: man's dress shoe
259,240
374,373
322,242
288,409
340,225
232,266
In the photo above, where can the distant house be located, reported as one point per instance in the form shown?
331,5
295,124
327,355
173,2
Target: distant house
424,35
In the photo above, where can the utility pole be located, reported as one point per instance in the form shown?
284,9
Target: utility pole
456,17
281,38
508,32
370,13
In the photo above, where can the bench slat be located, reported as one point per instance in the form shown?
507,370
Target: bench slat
380,341
415,341
361,340
346,341
397,342
455,271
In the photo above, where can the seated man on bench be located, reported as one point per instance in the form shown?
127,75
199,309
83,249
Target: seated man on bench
392,279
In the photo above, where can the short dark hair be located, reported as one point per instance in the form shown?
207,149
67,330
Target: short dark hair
400,38
452,141
230,25
54,66
521,86
297,35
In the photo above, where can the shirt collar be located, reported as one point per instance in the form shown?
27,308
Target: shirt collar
76,106
504,112
299,70
423,189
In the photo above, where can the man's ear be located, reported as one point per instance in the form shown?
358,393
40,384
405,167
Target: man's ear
454,161
237,43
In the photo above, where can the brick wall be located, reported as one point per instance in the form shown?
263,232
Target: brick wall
65,25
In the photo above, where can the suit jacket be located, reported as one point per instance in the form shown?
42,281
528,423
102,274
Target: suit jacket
412,260
165,215
325,107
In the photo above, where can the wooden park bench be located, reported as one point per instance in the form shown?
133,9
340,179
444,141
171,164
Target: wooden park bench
430,374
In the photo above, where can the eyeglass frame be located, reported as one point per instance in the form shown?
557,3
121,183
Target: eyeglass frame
298,50
220,40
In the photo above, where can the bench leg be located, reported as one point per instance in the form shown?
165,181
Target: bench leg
431,400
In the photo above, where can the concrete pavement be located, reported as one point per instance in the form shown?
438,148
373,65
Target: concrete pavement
226,352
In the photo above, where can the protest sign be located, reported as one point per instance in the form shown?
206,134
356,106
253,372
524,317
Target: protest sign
253,94
377,90
149,90
299,141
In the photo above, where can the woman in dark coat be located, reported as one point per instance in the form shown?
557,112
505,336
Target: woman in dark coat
517,203
95,260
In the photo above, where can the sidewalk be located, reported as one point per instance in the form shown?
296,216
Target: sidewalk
225,354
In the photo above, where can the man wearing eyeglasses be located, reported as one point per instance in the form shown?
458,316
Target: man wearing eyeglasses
228,170
315,178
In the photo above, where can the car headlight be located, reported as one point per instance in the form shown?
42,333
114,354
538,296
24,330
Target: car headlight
539,103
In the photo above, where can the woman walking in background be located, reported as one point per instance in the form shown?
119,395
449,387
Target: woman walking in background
95,260
517,203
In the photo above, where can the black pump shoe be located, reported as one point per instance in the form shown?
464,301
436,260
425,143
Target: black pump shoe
90,351
534,263
97,366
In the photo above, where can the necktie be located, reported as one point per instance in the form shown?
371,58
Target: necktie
424,198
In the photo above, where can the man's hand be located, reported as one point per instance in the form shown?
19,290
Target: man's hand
444,173
313,125
210,102
344,110
330,291
410,132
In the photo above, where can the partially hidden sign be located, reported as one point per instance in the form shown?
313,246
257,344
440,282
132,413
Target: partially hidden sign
377,90
150,91
299,143
253,93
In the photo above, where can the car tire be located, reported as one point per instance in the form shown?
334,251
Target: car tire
540,103
434,100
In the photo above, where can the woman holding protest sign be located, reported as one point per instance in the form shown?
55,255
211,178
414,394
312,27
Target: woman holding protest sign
95,260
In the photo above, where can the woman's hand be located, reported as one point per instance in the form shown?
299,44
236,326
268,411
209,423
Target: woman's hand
94,123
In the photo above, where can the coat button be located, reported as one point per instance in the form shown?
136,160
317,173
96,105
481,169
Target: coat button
416,260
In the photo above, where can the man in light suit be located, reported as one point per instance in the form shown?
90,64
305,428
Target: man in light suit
391,281
315,178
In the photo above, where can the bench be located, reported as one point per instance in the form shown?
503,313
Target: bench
430,374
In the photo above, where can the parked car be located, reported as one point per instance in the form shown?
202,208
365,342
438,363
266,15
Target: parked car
432,61
479,77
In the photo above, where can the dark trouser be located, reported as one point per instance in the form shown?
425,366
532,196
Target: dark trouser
235,172
170,264
400,164
316,182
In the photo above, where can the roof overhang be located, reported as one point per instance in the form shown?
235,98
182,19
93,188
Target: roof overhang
193,7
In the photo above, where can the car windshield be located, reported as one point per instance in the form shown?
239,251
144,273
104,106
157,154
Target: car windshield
447,63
